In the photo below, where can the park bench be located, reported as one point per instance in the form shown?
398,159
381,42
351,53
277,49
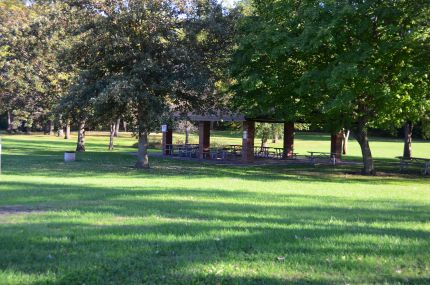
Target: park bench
324,156
423,163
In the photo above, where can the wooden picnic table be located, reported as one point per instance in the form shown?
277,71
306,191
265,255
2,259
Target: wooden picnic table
279,153
219,153
187,150
315,155
226,151
234,149
418,161
263,152
168,150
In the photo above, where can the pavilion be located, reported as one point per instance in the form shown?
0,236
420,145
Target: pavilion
247,155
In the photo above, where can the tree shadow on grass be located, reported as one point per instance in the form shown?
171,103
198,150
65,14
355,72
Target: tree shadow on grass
105,164
171,235
237,206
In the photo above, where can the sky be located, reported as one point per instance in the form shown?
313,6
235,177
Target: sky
229,2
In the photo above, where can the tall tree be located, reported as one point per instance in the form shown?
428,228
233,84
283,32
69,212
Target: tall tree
14,18
163,53
33,78
354,63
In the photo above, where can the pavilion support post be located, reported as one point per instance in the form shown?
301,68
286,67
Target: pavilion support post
248,141
288,139
204,139
167,140
336,145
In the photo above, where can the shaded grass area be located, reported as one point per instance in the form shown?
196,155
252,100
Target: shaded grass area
99,221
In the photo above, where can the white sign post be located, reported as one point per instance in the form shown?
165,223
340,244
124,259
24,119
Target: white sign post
245,135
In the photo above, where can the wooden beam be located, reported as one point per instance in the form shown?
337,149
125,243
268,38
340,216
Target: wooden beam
288,139
167,140
204,139
336,145
248,141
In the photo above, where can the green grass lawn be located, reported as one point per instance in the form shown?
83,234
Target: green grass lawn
99,221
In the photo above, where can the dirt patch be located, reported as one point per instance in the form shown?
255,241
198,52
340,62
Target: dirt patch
19,209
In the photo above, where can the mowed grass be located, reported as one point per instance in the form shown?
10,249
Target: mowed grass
99,221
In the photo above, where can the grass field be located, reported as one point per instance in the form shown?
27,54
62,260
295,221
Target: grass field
99,221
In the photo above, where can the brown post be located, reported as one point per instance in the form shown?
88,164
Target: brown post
336,145
204,139
248,141
288,139
167,140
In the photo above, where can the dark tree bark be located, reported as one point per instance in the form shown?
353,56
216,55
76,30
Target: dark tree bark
112,135
142,155
407,149
49,128
363,139
81,138
345,141
67,133
9,122
116,127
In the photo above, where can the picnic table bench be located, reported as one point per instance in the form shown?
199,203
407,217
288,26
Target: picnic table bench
317,155
234,149
279,153
415,161
186,150
263,152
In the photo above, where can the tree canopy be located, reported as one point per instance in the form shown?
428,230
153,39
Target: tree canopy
348,63
148,58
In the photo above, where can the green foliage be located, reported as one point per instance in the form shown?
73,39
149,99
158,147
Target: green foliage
263,131
350,63
425,128
32,77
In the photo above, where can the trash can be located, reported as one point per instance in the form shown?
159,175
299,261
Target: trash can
69,156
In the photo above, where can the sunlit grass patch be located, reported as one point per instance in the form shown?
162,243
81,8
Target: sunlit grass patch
99,221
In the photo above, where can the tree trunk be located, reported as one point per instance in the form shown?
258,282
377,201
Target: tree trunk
187,135
81,137
67,133
49,128
345,141
112,135
116,127
407,150
363,140
275,135
60,131
124,124
9,122
264,142
142,155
